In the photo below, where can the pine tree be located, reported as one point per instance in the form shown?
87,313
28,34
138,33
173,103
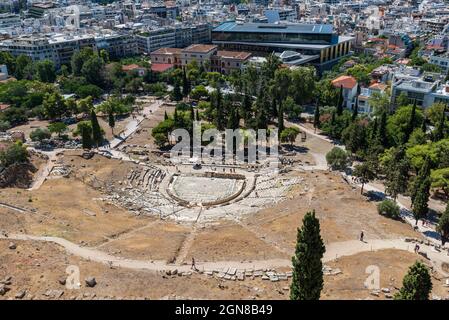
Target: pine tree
440,128
340,102
97,135
417,283
307,281
316,117
165,115
421,191
443,226
396,173
355,110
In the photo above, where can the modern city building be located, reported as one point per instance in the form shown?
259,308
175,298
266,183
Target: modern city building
152,40
318,40
59,48
117,45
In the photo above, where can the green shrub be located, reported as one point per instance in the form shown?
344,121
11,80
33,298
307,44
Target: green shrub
389,208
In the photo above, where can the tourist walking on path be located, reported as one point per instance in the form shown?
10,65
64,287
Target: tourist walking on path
193,264
416,248
361,235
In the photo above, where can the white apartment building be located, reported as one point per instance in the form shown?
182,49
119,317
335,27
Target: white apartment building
152,40
441,61
117,45
9,20
58,48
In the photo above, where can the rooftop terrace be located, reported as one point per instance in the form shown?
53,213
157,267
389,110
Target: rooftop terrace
232,26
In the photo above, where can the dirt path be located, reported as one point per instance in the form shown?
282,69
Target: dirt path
133,125
333,251
45,171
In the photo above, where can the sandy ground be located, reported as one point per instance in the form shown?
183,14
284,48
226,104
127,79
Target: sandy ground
38,267
393,265
72,208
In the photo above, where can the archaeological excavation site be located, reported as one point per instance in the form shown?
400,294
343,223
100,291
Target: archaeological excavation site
125,221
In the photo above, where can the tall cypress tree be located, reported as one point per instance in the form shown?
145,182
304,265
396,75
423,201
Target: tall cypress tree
192,113
177,119
177,95
316,117
333,118
340,102
185,83
417,283
219,107
165,115
233,120
111,121
424,125
281,126
374,130
411,124
86,136
421,191
246,105
382,130
307,281
97,135
443,226
355,110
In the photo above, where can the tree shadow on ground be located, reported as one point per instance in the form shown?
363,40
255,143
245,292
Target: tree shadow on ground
375,196
289,148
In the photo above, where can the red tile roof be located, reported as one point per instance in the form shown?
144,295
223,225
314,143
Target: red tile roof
167,51
234,54
161,67
378,86
201,48
347,82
